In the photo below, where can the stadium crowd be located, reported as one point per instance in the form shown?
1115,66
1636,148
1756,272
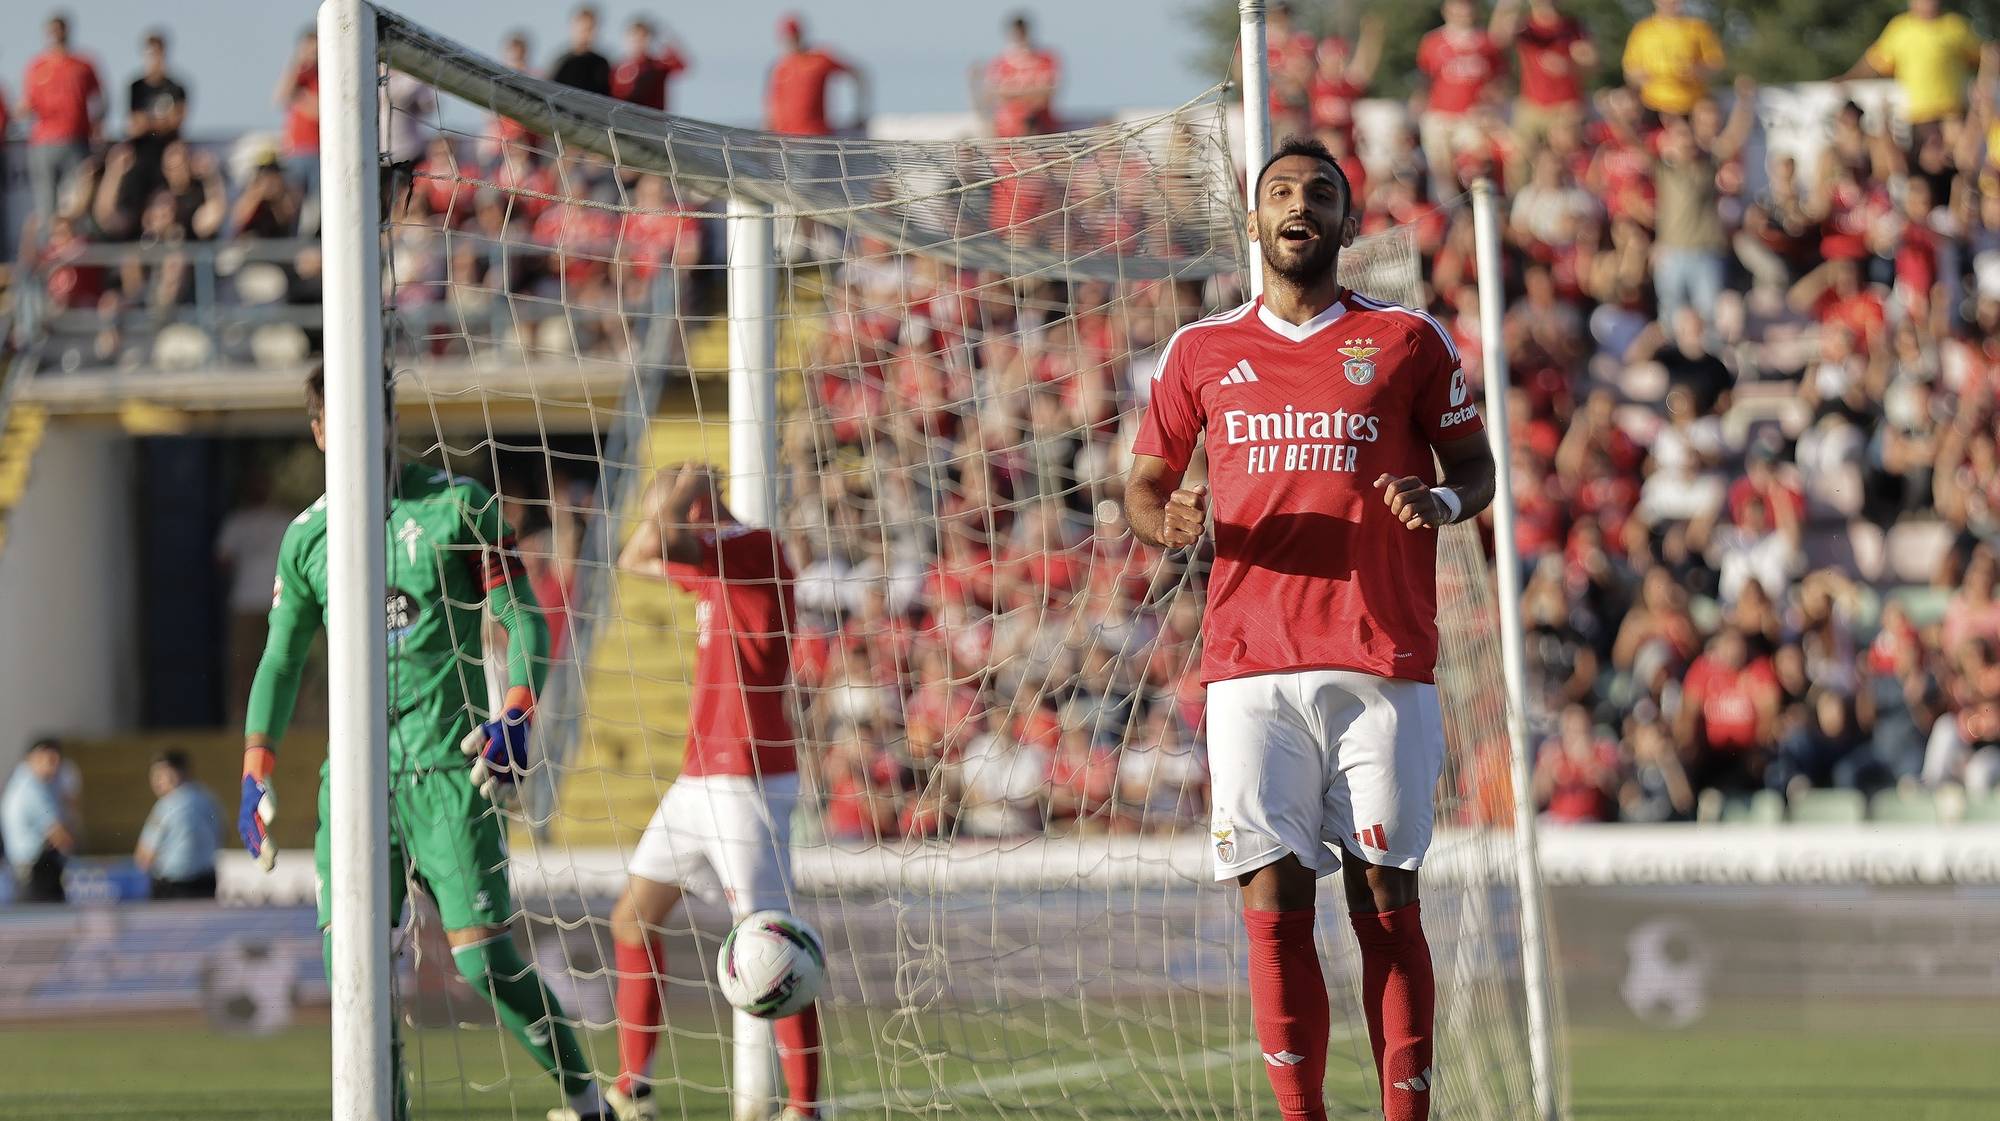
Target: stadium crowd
1753,407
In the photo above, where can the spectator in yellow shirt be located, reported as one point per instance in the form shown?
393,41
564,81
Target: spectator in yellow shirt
1932,55
1671,58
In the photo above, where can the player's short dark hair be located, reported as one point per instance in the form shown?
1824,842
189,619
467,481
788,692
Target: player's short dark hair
177,759
1308,146
45,743
316,392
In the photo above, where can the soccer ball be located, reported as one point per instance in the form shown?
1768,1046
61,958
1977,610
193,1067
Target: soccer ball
771,965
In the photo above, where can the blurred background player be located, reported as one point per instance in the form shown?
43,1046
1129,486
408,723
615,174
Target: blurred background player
177,845
723,831
450,552
1327,737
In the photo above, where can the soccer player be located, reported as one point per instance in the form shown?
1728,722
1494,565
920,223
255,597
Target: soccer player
449,553
1319,409
723,831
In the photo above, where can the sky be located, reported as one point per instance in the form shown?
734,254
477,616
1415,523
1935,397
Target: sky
1115,53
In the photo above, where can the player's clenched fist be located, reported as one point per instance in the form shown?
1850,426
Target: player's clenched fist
1412,501
1185,515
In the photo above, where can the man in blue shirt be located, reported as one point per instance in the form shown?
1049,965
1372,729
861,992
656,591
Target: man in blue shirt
37,839
177,846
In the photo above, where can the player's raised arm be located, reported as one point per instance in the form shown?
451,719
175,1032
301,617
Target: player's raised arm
666,533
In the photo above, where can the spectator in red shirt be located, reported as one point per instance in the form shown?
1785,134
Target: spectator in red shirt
1555,53
795,101
298,95
642,78
1016,89
66,103
1340,79
1728,718
1577,772
1460,61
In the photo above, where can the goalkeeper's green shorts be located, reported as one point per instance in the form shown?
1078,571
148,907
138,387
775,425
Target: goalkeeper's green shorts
445,838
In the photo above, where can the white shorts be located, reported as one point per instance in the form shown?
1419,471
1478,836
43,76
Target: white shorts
724,839
1311,761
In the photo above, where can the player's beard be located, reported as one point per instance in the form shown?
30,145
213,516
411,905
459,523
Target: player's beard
1301,268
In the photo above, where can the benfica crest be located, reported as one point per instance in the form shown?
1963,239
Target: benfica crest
1225,843
1360,365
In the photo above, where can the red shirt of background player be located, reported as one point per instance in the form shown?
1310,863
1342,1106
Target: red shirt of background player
57,92
1299,422
1549,77
1012,72
1459,66
642,79
796,102
743,660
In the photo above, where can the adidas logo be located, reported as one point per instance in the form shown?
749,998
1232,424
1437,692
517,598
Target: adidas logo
1417,1085
1283,1059
1241,374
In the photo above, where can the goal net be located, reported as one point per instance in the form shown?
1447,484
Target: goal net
922,364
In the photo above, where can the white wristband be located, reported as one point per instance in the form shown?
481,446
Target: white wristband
1448,498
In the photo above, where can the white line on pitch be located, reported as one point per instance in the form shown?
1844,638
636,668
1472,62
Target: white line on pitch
1054,1076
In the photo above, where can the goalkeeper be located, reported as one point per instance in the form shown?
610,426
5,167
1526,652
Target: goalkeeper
449,552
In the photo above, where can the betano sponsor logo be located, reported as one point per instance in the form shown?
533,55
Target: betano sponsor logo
1458,416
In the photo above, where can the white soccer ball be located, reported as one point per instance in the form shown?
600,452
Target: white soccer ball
771,965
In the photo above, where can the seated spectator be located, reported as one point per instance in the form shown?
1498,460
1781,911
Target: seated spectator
35,824
1728,719
1657,789
1577,772
268,207
178,843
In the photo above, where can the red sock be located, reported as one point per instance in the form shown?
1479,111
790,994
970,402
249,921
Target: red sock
1399,996
798,1057
640,991
1288,1003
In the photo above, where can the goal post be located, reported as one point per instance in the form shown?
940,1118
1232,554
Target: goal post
930,401
361,973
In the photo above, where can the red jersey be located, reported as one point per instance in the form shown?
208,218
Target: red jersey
642,80
1311,569
302,112
796,102
1332,106
1548,74
1730,700
1459,68
1007,79
57,91
737,723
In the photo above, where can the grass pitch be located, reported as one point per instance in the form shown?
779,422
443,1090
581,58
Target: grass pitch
176,1073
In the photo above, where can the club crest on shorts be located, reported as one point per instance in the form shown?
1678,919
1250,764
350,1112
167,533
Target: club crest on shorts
1360,367
1225,842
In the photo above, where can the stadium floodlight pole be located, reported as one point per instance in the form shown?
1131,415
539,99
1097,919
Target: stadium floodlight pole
753,460
1256,113
357,646
1513,657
